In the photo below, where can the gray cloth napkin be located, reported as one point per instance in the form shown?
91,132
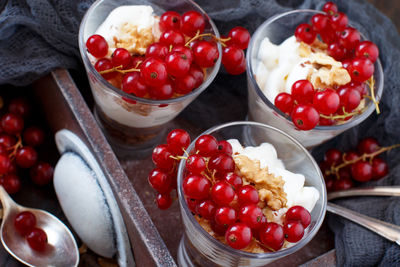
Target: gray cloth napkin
38,36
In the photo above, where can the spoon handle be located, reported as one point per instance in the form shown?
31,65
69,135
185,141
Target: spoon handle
387,230
369,191
6,201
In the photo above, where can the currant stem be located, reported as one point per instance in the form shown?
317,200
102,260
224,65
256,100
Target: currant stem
370,156
15,147
371,85
343,116
198,35
118,69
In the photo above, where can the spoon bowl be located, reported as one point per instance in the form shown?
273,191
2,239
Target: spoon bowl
61,249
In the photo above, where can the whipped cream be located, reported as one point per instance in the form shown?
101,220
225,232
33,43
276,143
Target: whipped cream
296,192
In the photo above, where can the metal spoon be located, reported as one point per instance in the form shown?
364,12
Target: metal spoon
367,191
61,249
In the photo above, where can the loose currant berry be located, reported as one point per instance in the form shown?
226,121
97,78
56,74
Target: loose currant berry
349,38
206,209
367,49
42,173
299,213
105,64
172,37
170,20
24,222
368,145
153,72
184,85
192,22
305,117
178,64
157,50
248,195
177,141
12,123
225,147
221,163
164,91
162,157
271,235
232,56
251,215
338,21
342,184
303,92
19,106
185,50
284,102
121,57
205,54
225,216
5,164
206,145
132,83
361,69
97,46
198,75
238,236
33,136
333,157
337,51
330,8
164,200
196,186
11,183
326,102
236,69
37,239
319,22
361,171
379,168
235,180
222,193
305,33
26,157
240,37
349,98
160,180
293,230
195,164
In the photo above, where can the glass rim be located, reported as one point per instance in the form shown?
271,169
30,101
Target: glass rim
104,82
276,254
250,74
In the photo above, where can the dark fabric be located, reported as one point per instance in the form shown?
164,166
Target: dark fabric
37,36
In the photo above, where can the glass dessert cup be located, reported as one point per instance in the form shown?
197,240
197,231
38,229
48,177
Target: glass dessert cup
130,123
198,248
261,109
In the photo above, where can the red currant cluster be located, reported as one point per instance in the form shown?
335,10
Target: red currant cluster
17,151
362,165
176,64
25,223
214,191
309,106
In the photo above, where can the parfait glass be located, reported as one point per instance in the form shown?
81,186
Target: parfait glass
278,28
198,248
131,123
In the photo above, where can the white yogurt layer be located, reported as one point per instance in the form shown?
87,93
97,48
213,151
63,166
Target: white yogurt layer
296,192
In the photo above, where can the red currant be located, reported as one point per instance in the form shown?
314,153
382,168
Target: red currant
303,92
185,84
232,56
221,163
3,150
185,50
238,236
326,102
97,46
26,157
164,201
105,64
19,106
368,145
234,180
284,102
170,20
42,173
37,239
164,91
299,213
305,117
305,33
225,147
11,183
333,157
172,37
240,37
205,54
225,216
293,230
162,157
349,98
222,193
247,195
177,63
349,38
33,136
337,51
157,50
177,141
195,164
160,181
368,50
330,8
206,145
338,21
198,75
5,164
153,72
206,209
236,69
361,171
192,22
251,215
361,69
12,123
133,84
24,222
320,22
379,168
196,186
342,184
121,57
271,235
